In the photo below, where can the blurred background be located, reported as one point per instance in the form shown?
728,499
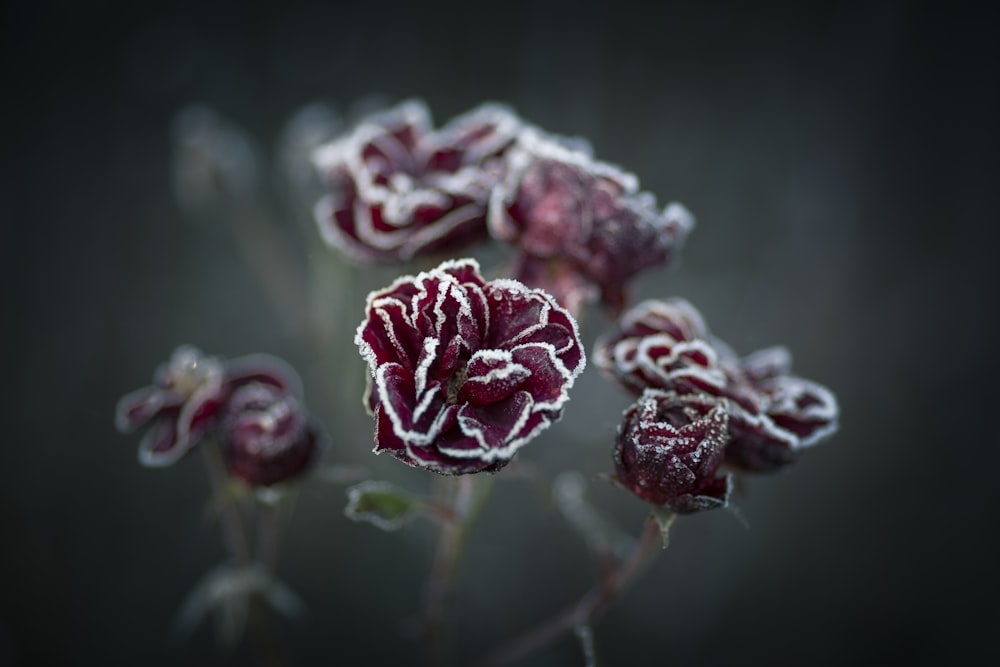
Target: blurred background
841,164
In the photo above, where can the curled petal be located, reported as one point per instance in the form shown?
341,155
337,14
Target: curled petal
161,446
263,369
138,408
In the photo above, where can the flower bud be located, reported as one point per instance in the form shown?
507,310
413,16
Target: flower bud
669,449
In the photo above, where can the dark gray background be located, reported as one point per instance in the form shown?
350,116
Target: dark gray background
841,163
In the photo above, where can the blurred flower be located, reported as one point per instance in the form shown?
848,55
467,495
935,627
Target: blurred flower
215,162
266,435
182,405
669,449
773,415
401,189
560,207
465,372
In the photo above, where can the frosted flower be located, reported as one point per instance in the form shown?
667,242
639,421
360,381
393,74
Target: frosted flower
402,189
560,207
773,415
266,436
465,372
669,450
182,405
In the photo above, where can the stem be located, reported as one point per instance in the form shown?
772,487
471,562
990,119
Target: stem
581,614
233,534
268,531
449,548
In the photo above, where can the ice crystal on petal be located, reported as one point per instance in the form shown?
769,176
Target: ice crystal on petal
464,371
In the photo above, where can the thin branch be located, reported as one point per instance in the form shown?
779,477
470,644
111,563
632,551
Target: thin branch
581,614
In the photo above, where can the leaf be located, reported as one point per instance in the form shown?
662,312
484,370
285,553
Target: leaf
381,504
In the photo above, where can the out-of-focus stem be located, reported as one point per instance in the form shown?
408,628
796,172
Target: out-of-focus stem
268,534
233,533
459,495
581,614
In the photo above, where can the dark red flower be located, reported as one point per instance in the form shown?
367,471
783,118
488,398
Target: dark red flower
773,415
465,372
669,450
559,206
402,189
183,404
266,435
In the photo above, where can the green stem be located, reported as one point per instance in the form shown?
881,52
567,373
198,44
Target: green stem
465,499
233,534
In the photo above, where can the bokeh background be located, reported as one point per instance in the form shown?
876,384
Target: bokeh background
841,163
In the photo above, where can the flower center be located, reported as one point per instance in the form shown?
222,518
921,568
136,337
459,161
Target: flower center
455,383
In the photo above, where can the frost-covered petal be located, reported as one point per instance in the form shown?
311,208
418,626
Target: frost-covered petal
138,408
491,376
263,369
160,446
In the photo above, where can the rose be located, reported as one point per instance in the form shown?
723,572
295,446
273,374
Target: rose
465,372
571,216
266,435
400,189
669,449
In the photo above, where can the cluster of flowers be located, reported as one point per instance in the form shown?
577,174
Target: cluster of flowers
465,371
252,406
581,228
702,408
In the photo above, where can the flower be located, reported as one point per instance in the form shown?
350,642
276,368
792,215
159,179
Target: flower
266,436
559,206
669,450
183,404
402,189
465,372
773,415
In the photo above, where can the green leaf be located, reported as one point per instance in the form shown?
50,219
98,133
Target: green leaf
380,504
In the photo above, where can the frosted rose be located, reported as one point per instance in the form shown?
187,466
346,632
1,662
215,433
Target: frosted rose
183,404
560,207
465,372
401,189
266,435
669,450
